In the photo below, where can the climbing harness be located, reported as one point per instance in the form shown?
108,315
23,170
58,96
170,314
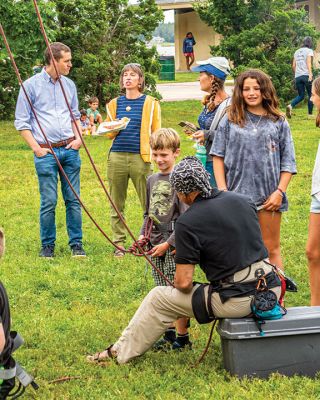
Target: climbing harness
8,375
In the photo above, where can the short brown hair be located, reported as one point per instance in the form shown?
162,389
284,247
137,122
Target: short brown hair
93,100
165,138
135,68
56,49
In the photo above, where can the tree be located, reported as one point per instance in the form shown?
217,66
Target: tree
25,40
104,35
166,31
259,34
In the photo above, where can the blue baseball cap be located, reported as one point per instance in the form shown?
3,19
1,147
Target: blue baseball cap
217,66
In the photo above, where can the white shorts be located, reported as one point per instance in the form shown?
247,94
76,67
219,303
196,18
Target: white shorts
315,205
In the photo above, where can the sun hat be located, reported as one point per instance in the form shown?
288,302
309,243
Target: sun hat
217,66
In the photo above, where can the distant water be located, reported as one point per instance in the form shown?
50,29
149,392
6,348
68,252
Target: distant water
165,50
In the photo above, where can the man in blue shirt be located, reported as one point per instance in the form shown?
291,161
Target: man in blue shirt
53,114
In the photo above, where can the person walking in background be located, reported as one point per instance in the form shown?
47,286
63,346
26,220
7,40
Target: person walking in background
313,243
253,153
213,73
187,49
130,153
302,67
50,106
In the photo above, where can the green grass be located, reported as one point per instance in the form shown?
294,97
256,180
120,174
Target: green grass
182,77
68,308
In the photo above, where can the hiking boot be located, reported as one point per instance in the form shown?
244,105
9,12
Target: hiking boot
47,251
77,250
176,345
289,111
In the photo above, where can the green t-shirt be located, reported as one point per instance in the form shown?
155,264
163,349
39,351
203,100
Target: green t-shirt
94,113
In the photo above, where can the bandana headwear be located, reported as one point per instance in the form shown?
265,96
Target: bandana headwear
190,176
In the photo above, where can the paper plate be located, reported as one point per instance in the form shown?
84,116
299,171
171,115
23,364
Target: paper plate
106,128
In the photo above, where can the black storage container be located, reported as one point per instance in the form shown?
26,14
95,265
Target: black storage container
290,346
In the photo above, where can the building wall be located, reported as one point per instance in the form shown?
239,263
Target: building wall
204,35
313,8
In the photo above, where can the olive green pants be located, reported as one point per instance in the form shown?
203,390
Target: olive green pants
121,167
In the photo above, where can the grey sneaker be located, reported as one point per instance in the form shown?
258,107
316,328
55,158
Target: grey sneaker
47,251
289,111
77,250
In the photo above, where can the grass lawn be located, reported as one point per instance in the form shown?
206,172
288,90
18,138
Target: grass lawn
181,77
67,308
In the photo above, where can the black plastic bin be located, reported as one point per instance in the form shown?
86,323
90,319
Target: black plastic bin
290,346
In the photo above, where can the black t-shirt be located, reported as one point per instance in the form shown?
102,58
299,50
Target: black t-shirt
5,321
221,234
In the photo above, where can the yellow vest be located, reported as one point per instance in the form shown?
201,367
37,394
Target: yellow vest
150,122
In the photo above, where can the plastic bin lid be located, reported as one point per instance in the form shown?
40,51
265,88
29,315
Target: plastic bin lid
297,321
162,58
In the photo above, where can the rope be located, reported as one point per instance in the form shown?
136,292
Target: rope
87,151
205,351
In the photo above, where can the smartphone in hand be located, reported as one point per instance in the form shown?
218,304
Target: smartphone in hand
189,128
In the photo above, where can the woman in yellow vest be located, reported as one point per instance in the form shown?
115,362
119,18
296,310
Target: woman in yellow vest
130,154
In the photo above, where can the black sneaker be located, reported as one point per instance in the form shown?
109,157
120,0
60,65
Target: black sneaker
47,251
176,345
162,344
77,250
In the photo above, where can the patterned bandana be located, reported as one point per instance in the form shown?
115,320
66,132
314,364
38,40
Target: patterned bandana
190,176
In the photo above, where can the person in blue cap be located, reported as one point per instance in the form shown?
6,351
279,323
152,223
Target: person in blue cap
213,73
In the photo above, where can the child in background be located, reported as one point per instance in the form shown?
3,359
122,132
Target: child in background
253,153
163,205
93,113
85,123
313,244
187,49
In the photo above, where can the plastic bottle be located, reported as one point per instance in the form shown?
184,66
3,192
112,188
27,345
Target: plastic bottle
201,153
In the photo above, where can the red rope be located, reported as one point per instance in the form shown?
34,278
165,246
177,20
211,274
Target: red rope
80,135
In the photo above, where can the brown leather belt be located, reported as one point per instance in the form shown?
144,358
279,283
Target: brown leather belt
58,144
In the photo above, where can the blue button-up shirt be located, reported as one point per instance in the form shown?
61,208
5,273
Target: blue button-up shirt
47,98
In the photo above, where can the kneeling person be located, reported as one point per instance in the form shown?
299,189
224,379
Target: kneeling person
220,232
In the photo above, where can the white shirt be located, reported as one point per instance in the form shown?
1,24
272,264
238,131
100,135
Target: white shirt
300,57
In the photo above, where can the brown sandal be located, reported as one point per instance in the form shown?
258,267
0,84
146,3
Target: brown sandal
97,358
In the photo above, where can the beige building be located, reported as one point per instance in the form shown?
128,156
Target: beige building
186,19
